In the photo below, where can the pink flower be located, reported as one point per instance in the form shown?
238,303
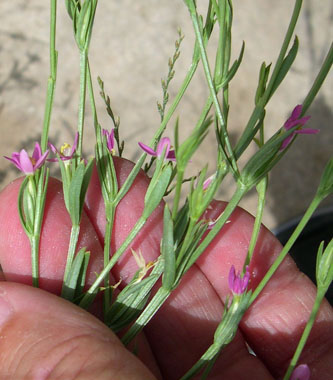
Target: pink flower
109,139
293,121
28,165
238,284
66,151
164,144
301,372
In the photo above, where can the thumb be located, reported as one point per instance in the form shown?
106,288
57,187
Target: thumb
44,336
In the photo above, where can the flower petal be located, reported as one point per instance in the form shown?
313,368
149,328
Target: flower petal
25,163
37,152
164,144
41,160
307,131
147,149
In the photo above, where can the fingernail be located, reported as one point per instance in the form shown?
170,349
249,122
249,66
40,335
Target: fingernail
6,308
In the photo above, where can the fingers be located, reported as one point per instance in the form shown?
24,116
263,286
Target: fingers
15,256
43,336
275,322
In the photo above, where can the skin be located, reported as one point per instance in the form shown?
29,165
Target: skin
45,337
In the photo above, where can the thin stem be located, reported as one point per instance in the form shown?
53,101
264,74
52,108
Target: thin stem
107,246
71,253
139,224
157,301
93,104
212,89
180,176
34,245
306,217
262,189
82,102
52,78
319,297
236,198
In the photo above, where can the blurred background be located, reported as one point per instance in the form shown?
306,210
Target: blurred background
130,47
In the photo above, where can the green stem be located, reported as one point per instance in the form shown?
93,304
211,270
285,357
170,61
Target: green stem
107,247
175,102
211,86
157,301
34,245
75,231
306,217
261,188
52,78
236,198
139,224
180,176
82,102
93,104
319,297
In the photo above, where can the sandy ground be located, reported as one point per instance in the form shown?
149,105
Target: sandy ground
131,43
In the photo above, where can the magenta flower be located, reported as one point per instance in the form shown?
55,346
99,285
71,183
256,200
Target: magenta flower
164,144
109,140
66,151
293,121
301,372
238,284
28,165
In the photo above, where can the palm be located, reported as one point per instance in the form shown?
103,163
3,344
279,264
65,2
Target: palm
183,329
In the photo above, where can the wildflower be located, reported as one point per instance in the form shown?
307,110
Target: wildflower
28,165
238,284
164,144
66,152
301,372
109,140
293,121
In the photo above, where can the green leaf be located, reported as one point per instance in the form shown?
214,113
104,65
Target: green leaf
75,281
167,251
263,77
157,188
285,67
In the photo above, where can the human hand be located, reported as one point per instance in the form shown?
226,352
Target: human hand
44,336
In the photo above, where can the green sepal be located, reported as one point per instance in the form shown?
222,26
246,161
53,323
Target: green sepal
73,287
264,159
106,172
324,265
76,189
325,187
22,207
167,251
157,187
83,19
263,77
